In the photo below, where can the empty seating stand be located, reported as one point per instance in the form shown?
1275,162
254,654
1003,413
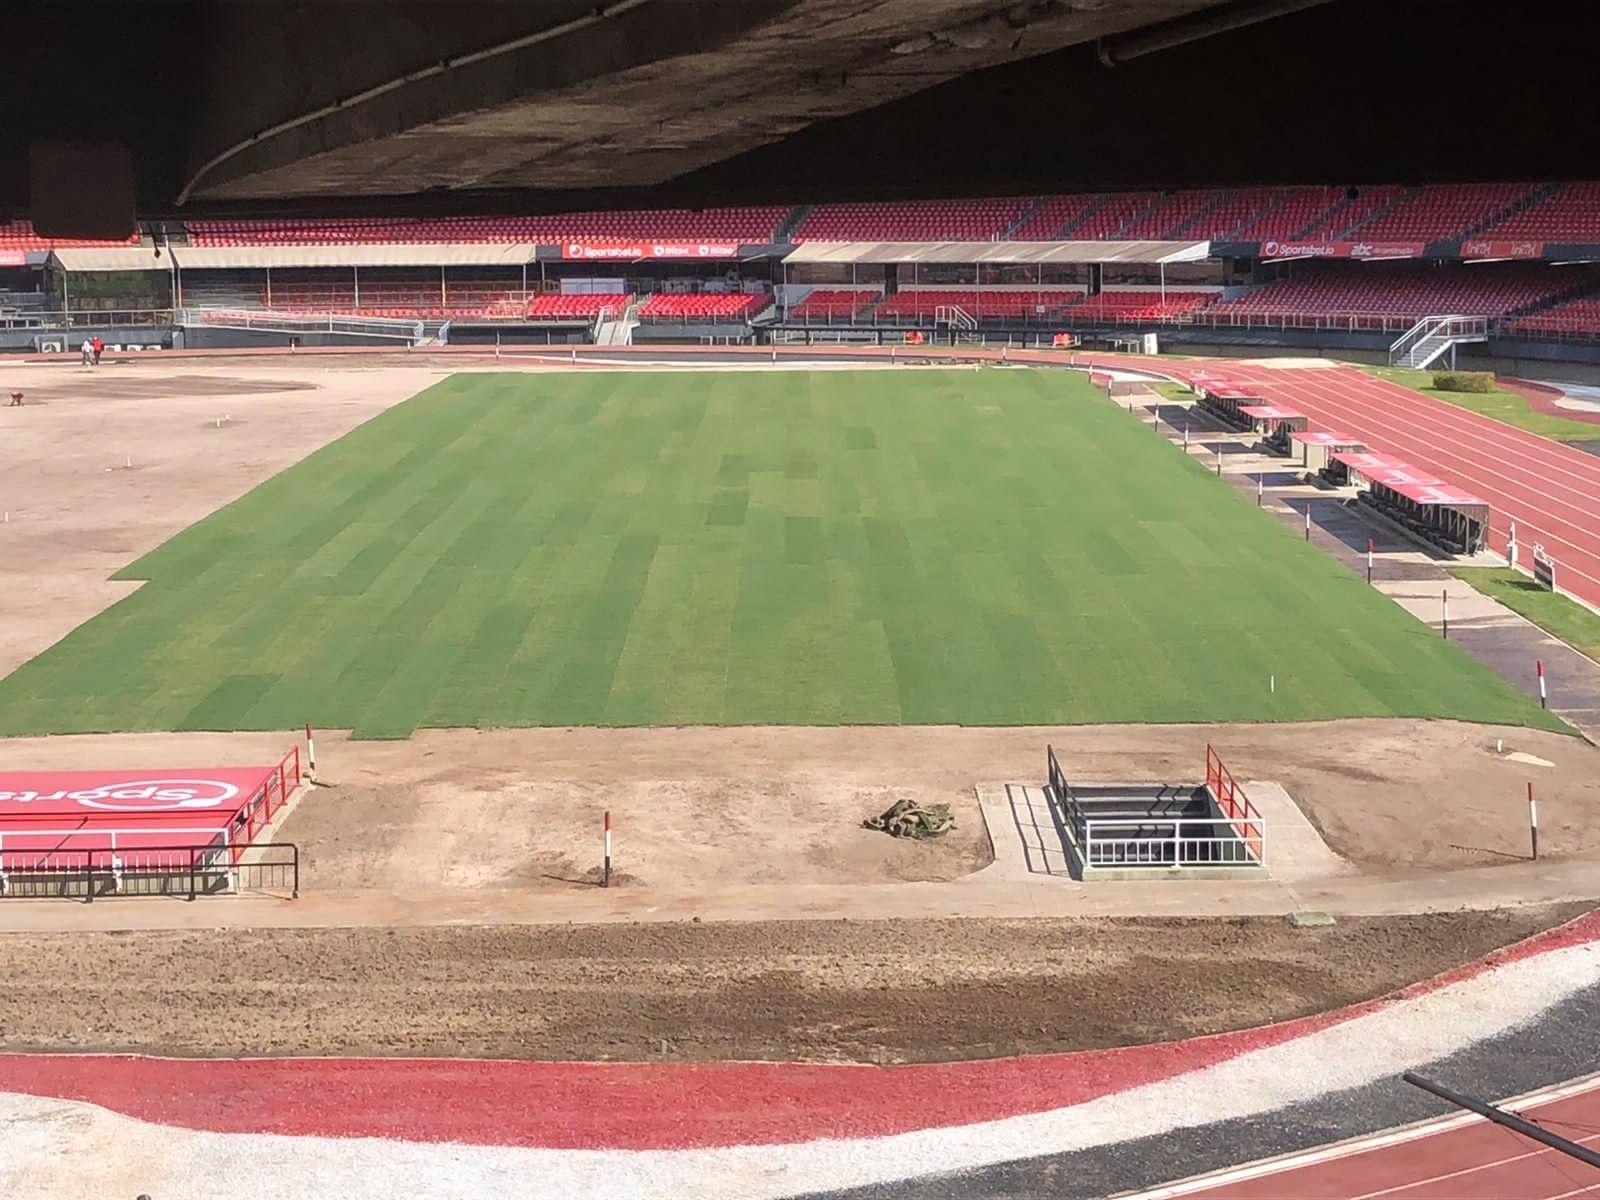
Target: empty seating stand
703,307
1141,305
1575,319
1571,214
748,224
1368,296
1447,211
20,235
931,220
586,306
981,304
834,303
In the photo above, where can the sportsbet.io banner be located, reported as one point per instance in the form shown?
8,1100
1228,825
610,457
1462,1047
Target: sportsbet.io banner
1330,249
634,251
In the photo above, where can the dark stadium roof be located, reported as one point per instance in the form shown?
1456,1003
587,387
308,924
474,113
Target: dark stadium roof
213,107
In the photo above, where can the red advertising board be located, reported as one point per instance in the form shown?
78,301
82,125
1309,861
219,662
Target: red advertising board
634,251
1331,249
13,258
1499,248
208,794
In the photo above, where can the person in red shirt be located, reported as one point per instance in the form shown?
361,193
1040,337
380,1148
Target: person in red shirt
99,348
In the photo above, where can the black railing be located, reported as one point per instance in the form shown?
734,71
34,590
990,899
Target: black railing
1065,799
189,872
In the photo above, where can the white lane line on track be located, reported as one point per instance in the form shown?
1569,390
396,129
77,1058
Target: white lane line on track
1353,414
1377,411
1365,1144
1486,432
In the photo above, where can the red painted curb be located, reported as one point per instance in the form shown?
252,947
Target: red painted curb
639,1106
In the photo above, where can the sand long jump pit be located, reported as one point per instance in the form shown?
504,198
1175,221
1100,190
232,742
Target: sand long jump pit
742,611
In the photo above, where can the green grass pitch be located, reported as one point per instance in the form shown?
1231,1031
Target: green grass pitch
983,548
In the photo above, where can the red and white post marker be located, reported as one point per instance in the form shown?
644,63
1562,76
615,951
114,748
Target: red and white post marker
311,754
1444,605
1369,560
1544,699
1533,821
605,879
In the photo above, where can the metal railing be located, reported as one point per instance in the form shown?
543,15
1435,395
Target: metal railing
1176,842
189,872
1412,348
85,318
1249,826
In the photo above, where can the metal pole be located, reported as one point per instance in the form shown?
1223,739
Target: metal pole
606,878
1369,560
1533,821
1308,520
1258,491
1511,1121
269,287
1444,608
355,276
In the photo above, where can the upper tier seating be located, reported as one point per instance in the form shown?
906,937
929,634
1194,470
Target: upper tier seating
1342,220
1141,305
1054,215
584,306
925,221
1395,291
835,302
979,303
1446,211
1107,220
703,306
748,224
1174,211
1303,207
20,235
1573,317
1221,222
1572,214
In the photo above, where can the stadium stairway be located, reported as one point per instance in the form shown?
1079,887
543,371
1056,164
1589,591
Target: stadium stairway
784,234
1026,215
1375,213
1541,193
1221,197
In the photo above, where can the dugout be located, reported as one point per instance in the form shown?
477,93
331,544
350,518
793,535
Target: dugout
1227,402
1440,514
1356,468
1314,448
1274,424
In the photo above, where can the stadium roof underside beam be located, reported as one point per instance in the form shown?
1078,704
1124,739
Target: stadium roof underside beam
143,258
999,252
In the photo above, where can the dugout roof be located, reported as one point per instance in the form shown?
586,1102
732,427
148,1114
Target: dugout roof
999,252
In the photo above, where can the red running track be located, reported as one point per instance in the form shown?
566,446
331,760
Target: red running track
1551,491
1454,1159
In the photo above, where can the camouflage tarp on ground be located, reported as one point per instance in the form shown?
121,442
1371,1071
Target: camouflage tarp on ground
907,818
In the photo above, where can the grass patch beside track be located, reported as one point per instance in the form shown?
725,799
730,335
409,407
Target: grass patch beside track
1568,620
972,547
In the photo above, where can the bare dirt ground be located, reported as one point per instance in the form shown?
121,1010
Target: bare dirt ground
873,991
502,814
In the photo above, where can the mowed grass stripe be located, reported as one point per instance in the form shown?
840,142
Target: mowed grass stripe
992,547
